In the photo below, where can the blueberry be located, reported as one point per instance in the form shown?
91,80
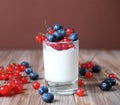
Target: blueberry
73,36
25,63
28,70
58,35
111,81
96,69
62,32
105,86
34,76
51,37
42,90
82,71
48,97
57,27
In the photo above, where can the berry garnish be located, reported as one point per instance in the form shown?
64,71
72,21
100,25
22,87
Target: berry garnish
80,92
96,69
42,90
38,39
73,37
112,75
57,27
105,86
80,82
88,74
51,37
34,76
48,97
35,85
69,31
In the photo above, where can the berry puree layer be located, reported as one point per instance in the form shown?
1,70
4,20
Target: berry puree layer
60,62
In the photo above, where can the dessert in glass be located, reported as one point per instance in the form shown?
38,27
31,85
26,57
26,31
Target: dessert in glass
60,56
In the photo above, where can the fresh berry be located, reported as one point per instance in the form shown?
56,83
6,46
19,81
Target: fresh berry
105,86
28,70
38,39
80,92
66,39
73,37
80,82
42,90
69,30
96,69
18,88
58,35
4,90
25,63
51,37
89,65
34,76
48,97
57,27
36,85
43,37
88,75
83,65
24,79
50,30
111,81
82,71
112,75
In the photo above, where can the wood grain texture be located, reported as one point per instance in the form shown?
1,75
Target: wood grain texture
108,60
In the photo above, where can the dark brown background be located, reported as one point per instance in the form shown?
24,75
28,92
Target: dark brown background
96,21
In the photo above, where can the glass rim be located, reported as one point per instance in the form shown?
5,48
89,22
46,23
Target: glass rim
61,42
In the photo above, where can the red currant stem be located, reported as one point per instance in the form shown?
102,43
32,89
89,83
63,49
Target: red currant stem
45,23
92,58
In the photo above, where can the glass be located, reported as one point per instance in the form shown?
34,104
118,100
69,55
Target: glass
61,66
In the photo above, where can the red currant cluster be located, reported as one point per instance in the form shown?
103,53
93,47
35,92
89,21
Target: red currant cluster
12,79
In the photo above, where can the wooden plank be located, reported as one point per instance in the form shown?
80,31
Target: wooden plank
108,60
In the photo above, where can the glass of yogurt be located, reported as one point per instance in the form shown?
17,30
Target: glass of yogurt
61,66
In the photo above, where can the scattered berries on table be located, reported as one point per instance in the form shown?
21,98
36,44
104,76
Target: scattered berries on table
96,69
42,90
112,75
48,97
34,76
35,85
80,92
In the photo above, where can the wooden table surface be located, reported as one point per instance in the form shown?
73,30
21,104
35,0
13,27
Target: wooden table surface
108,60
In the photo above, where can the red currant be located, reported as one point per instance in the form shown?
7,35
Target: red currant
24,79
10,85
80,82
112,75
4,90
66,39
69,31
36,85
83,65
9,68
51,31
38,39
80,92
88,75
23,68
43,37
89,65
18,88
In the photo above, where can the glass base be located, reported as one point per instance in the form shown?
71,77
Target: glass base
63,88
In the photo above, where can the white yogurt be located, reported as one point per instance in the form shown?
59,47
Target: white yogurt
60,66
